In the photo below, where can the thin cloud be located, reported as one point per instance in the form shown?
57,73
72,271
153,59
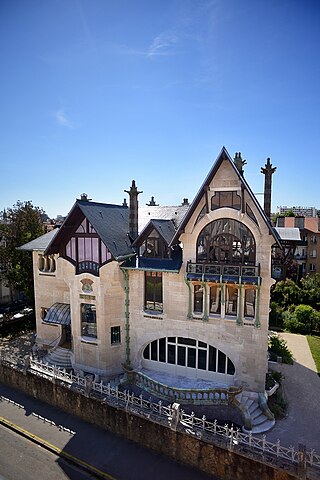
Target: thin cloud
163,44
62,119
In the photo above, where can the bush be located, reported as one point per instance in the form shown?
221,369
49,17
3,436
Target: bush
278,346
275,315
277,376
278,405
301,319
292,324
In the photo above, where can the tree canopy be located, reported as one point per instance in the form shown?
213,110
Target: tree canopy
20,224
297,305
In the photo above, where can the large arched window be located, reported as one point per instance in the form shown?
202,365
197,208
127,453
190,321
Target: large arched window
226,241
189,353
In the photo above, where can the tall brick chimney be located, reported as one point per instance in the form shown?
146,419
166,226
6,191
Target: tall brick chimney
267,171
133,210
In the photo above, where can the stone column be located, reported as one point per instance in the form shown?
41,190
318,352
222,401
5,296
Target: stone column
267,171
133,212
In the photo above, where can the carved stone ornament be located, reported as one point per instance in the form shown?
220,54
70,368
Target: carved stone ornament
87,285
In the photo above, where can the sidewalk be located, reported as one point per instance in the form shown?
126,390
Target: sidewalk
301,387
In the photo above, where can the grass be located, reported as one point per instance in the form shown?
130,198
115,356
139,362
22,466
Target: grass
314,344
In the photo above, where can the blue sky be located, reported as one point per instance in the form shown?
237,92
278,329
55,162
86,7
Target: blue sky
95,93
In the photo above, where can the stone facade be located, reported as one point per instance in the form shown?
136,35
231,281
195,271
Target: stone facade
117,294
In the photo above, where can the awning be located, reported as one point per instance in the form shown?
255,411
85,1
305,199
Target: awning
58,313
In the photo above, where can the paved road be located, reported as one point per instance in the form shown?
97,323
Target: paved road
118,457
301,387
22,459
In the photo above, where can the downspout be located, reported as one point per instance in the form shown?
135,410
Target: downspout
257,323
127,317
239,316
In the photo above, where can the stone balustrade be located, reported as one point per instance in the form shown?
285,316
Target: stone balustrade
194,396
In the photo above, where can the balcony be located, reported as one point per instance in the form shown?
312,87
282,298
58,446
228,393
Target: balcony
214,272
301,256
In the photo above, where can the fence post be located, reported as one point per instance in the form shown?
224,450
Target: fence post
302,462
175,416
231,438
88,385
26,365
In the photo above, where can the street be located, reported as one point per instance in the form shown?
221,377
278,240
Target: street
22,459
113,455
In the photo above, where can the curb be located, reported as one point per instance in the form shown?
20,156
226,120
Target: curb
56,450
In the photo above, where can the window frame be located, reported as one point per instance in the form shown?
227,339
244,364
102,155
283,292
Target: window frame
86,324
115,335
151,291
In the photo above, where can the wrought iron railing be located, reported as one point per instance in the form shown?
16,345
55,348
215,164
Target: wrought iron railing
221,269
229,437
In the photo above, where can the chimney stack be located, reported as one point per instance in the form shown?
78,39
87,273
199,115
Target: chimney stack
152,203
185,201
267,171
133,210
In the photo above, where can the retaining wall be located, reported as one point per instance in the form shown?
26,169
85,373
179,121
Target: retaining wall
178,445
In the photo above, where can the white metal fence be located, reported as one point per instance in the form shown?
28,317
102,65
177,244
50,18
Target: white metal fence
230,437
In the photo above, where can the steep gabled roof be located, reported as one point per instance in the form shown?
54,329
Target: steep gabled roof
109,221
165,229
223,155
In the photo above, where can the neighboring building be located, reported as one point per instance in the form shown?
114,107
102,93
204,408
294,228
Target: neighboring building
307,254
182,291
284,264
300,211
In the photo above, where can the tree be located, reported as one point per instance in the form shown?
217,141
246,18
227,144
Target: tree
289,213
311,290
21,225
286,293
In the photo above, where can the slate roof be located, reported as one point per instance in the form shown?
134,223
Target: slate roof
111,222
165,228
40,243
174,213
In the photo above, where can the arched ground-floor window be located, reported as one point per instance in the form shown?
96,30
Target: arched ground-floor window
188,357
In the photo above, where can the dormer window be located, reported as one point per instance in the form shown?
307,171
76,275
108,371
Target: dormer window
154,246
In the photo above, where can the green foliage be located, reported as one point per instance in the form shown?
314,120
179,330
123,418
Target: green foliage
286,293
311,290
275,315
314,344
291,324
277,405
278,346
296,306
289,213
301,319
23,224
277,376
